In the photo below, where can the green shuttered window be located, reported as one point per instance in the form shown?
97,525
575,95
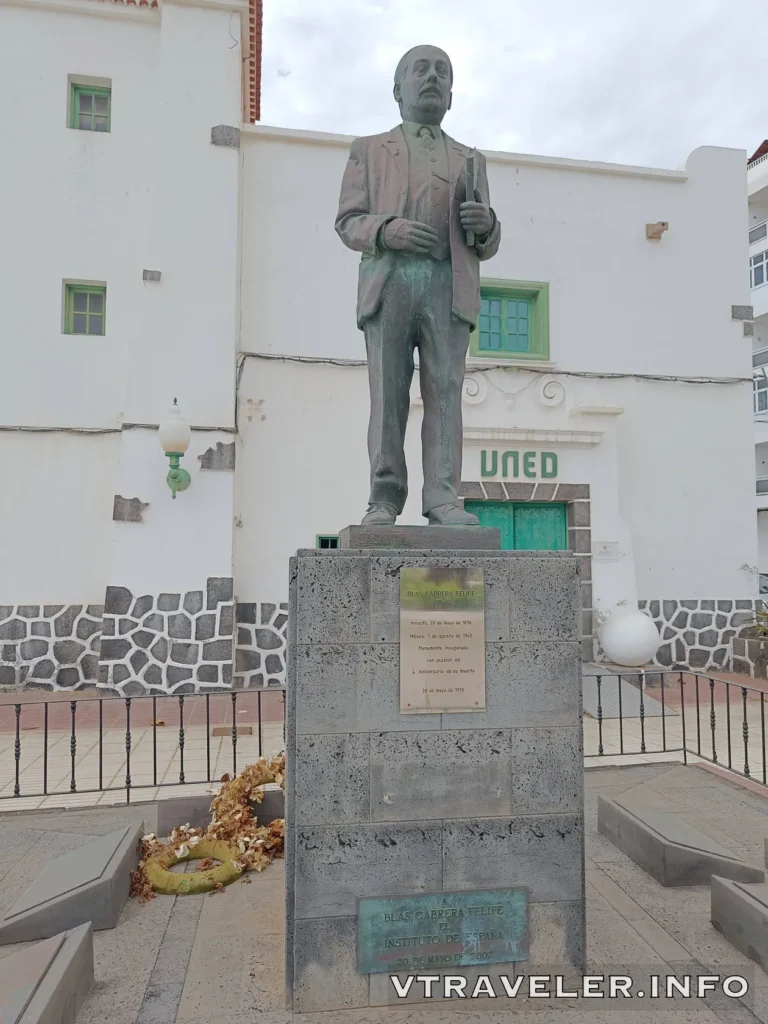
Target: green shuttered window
90,108
86,309
513,322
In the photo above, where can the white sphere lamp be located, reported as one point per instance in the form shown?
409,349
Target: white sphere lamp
629,638
175,435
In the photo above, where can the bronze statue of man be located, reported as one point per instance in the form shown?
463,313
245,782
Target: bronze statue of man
404,205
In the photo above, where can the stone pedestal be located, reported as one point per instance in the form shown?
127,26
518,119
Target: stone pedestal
381,803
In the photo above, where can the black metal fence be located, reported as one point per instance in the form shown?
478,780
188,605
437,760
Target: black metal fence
105,744
692,714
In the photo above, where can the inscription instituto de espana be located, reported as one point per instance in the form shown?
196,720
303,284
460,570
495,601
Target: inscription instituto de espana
442,640
442,929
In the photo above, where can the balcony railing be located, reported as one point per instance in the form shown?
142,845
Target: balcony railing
754,163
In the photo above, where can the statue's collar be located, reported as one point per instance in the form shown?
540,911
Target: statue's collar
413,128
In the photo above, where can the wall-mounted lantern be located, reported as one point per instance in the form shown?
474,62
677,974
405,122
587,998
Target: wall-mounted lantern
174,435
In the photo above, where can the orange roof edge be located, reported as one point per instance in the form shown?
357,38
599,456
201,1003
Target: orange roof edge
761,150
252,77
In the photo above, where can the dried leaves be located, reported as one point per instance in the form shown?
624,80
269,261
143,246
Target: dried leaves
231,822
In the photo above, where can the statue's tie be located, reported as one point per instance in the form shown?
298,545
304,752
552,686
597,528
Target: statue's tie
427,139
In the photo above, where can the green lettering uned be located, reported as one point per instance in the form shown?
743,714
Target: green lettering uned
484,471
548,464
505,464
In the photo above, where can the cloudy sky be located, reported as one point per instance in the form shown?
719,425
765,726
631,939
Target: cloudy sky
632,81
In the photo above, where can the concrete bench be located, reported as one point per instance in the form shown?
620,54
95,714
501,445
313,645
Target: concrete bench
88,884
739,911
46,983
670,850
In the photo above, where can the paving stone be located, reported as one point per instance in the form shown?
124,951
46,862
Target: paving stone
179,626
219,588
88,884
193,601
665,846
49,981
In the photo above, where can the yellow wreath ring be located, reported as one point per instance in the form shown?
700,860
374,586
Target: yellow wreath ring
172,883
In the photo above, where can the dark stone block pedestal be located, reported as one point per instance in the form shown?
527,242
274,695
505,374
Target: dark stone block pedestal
381,803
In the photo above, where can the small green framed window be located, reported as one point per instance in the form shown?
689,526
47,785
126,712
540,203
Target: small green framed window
91,108
86,309
513,322
327,541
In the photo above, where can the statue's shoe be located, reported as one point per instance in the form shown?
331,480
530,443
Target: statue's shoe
379,514
451,515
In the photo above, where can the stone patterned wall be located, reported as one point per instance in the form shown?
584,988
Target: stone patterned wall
168,643
261,642
52,646
697,634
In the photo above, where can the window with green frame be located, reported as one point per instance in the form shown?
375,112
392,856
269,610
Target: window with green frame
90,107
327,541
513,322
86,309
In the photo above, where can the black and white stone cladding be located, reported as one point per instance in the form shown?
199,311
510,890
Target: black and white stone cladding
261,645
50,646
697,634
169,642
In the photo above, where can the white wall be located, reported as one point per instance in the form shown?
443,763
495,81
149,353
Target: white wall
183,540
56,514
673,477
303,470
150,194
618,302
153,194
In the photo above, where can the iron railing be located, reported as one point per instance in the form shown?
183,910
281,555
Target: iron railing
695,715
107,744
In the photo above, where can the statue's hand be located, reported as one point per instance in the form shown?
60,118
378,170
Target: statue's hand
409,236
476,216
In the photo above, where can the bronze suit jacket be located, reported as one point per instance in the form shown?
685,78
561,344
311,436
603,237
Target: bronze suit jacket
375,190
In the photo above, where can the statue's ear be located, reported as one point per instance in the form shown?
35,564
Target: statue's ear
397,94
450,100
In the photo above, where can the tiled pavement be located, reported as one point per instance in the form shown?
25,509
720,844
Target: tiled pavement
200,960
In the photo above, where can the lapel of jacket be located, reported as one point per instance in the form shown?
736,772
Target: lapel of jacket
457,161
398,148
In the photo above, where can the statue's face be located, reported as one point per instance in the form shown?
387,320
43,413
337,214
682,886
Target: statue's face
424,94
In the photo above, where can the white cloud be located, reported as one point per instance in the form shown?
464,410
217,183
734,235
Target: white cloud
632,81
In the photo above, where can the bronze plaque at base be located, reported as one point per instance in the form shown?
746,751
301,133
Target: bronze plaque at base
440,930
442,640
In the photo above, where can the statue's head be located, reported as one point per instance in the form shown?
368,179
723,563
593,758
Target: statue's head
423,82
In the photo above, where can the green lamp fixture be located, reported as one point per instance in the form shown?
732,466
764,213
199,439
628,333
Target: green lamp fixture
175,434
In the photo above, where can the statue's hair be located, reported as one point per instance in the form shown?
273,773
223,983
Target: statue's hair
402,65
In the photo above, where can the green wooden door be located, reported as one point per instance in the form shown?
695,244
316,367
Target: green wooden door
527,526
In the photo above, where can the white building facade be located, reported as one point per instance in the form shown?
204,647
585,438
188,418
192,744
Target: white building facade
186,252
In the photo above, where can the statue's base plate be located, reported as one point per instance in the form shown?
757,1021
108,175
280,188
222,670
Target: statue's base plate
422,538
